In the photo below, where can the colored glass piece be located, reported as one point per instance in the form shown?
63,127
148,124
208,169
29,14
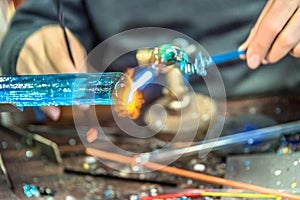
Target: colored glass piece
169,54
31,190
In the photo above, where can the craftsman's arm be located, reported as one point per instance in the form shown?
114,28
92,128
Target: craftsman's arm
29,20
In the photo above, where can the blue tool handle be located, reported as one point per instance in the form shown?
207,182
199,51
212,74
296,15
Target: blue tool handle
227,56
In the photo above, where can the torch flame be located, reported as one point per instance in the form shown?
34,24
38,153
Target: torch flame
129,99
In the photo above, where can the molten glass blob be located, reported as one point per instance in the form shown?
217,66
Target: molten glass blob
128,100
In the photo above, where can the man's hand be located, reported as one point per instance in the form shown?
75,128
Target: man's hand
45,52
275,34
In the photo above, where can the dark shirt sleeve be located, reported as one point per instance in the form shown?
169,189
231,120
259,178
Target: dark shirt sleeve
33,15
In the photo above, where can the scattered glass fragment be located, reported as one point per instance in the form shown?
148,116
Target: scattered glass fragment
31,190
153,192
110,192
277,110
277,172
69,197
18,146
86,166
252,110
72,142
250,141
284,150
47,191
34,191
134,197
293,185
36,179
142,176
92,135
189,182
247,163
278,183
29,154
4,145
199,167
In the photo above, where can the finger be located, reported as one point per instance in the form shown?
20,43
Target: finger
62,65
29,64
26,66
78,108
41,63
27,56
86,67
52,112
286,40
37,52
81,63
56,50
32,58
270,26
254,29
296,51
60,60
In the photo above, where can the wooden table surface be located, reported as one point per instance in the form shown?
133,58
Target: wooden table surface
26,164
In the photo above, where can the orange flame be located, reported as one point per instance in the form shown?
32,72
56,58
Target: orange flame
124,106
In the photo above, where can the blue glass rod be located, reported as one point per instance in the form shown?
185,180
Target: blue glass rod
60,89
227,56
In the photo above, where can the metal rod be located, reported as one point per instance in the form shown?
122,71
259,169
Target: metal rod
47,147
227,141
189,174
61,19
5,173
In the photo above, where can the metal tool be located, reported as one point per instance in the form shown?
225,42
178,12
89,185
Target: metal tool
48,148
5,173
61,19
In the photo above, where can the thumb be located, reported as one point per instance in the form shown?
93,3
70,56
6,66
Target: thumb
52,112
